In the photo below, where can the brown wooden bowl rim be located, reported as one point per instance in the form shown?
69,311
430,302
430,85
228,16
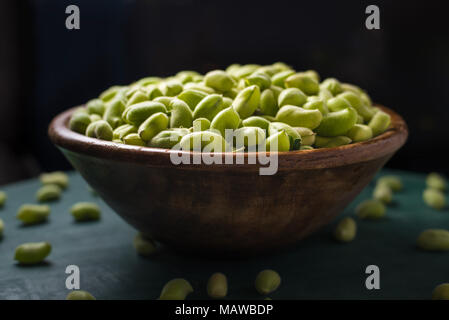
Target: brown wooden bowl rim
382,145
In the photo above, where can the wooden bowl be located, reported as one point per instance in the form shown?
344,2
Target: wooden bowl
226,208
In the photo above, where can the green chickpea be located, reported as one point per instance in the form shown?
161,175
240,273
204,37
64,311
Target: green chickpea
379,122
256,121
80,295
209,107
181,116
436,181
3,198
346,230
139,112
144,246
433,240
280,141
267,281
331,142
360,132
225,119
49,192
176,289
434,198
31,214
205,141
304,82
32,252
393,182
370,209
152,126
85,211
219,80
299,117
292,96
167,139
337,123
247,101
217,286
268,102
441,292
192,97
79,122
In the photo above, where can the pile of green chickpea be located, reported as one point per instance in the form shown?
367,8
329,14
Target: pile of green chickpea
269,103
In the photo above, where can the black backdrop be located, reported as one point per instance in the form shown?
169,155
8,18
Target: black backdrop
47,68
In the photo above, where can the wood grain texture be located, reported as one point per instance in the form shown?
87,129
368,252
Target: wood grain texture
227,208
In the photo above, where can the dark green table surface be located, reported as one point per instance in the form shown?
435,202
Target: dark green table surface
317,268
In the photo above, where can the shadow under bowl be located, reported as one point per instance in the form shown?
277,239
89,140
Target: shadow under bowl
228,209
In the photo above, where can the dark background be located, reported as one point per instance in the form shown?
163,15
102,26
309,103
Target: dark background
45,68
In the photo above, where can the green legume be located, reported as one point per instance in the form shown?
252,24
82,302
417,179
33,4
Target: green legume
434,240
137,97
180,114
153,125
33,214
48,192
331,142
176,289
219,80
96,106
280,141
113,113
337,123
256,121
225,119
345,230
379,122
307,136
32,252
247,101
133,139
249,137
304,82
3,198
58,177
434,198
171,88
370,209
101,130
2,227
124,130
144,246
201,124
80,295
333,85
360,132
205,141
209,107
291,96
85,211
441,292
217,286
279,78
167,139
267,281
393,182
138,113
294,136
79,122
268,102
436,181
340,113
383,192
299,117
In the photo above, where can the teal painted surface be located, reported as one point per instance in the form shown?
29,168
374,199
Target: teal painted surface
317,268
